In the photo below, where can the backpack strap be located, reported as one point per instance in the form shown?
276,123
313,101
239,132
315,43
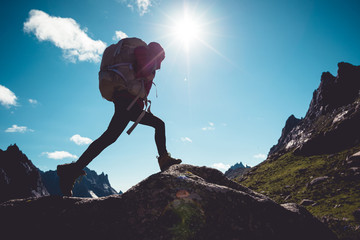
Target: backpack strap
137,97
142,114
113,68
136,122
118,48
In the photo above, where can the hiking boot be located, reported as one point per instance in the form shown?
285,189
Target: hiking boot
165,161
68,173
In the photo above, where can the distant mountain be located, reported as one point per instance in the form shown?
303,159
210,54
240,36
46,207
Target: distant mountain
236,170
183,202
92,185
316,161
19,178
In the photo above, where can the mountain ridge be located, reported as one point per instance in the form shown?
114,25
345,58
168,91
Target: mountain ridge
334,112
236,170
314,162
20,178
92,185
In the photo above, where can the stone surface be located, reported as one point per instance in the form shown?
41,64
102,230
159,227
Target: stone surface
184,202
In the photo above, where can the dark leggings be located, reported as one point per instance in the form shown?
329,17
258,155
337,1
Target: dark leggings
117,125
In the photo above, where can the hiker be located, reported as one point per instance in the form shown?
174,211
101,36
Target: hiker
146,59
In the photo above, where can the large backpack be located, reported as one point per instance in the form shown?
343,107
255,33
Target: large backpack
117,73
117,69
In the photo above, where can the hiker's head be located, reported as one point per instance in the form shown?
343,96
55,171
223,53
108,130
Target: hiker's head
157,53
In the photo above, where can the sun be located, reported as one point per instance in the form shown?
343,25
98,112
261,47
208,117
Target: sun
187,30
190,31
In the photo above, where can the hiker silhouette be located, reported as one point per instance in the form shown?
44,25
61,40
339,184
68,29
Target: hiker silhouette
145,60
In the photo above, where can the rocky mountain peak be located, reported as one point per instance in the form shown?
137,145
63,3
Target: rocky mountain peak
19,178
334,92
238,169
13,148
91,186
331,122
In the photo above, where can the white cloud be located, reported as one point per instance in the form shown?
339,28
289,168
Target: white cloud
59,155
20,129
131,7
260,156
33,101
119,35
221,166
7,97
210,127
141,5
186,139
79,140
66,34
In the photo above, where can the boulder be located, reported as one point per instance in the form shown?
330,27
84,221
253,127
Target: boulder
306,202
353,160
317,180
183,202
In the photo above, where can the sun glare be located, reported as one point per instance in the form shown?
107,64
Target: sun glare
190,29
186,31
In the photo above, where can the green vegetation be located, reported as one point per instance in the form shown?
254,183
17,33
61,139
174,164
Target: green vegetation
287,178
186,219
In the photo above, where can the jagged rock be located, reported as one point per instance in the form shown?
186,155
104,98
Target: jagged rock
92,185
184,202
19,178
306,202
353,160
332,121
237,171
317,181
290,124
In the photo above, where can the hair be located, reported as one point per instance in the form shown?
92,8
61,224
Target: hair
156,49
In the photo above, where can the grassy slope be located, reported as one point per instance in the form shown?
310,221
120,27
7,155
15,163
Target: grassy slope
337,197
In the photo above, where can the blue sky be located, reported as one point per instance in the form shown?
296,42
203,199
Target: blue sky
228,83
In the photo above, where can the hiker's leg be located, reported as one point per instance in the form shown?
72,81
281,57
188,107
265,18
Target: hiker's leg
164,159
155,122
117,125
